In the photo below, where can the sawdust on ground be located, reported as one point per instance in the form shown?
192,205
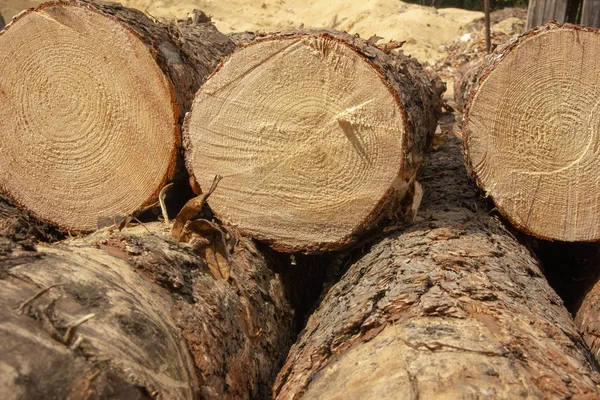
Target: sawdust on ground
425,29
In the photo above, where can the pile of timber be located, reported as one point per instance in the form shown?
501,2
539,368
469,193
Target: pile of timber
309,141
453,307
91,99
530,128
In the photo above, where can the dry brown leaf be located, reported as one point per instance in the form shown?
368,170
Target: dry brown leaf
437,142
191,208
212,243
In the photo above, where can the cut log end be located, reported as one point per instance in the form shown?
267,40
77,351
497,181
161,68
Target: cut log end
89,121
308,136
532,132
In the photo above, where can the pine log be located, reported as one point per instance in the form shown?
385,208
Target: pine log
317,135
531,123
135,315
452,308
92,95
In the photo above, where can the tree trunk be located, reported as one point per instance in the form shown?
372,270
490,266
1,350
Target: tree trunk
531,131
137,315
453,307
317,134
92,95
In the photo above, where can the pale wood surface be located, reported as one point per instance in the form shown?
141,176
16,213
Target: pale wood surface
91,100
312,135
531,127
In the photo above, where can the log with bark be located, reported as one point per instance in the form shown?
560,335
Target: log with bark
453,307
136,315
587,318
317,134
587,315
531,125
92,95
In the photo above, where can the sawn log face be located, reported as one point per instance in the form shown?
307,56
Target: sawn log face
317,133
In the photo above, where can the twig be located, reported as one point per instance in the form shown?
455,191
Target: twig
161,200
27,302
76,343
141,223
73,327
134,215
155,20
388,47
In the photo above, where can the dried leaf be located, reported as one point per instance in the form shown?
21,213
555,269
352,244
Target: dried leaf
210,242
191,208
374,39
437,142
393,44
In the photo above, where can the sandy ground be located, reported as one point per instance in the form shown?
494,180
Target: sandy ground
425,30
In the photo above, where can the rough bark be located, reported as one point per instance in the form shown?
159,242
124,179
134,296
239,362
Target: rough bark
530,130
136,315
280,171
24,226
78,101
453,307
588,318
464,80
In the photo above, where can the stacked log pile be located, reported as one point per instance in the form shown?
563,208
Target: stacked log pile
302,146
138,315
531,143
453,307
94,93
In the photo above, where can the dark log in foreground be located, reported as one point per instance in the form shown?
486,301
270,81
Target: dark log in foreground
135,315
317,134
454,307
92,95
531,131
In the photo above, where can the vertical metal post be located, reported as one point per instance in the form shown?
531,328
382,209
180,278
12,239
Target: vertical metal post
488,38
